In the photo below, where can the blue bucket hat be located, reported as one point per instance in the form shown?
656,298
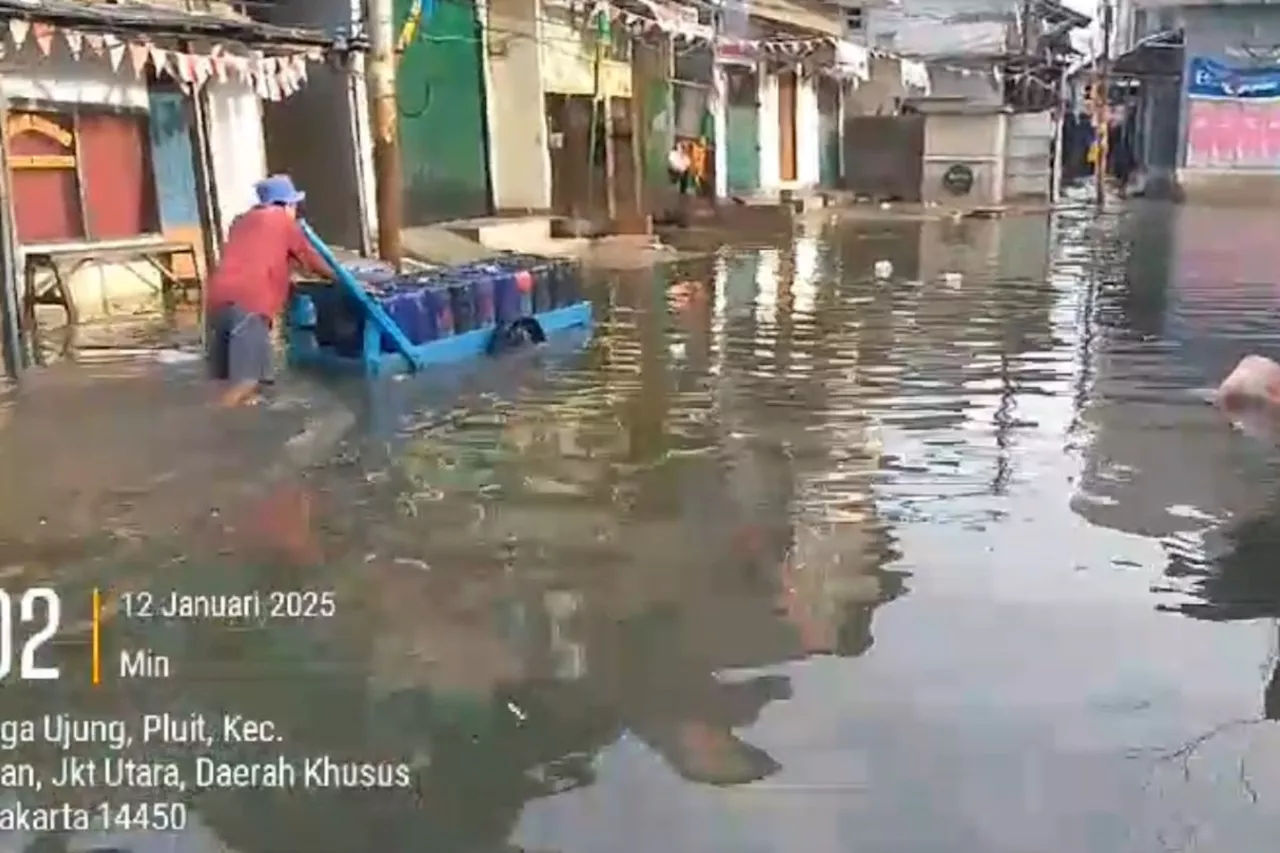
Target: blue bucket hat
278,189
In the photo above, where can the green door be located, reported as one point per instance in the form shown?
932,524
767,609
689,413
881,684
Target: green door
742,132
828,132
440,91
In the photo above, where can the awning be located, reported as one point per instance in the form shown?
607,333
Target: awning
141,18
1158,55
800,18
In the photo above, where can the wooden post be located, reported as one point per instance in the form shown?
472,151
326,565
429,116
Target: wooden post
353,63
10,298
1059,117
381,75
639,145
207,195
610,162
1101,117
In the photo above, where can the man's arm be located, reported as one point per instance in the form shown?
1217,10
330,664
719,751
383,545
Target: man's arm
305,256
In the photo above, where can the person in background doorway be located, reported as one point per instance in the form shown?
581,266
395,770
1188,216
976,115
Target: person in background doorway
249,287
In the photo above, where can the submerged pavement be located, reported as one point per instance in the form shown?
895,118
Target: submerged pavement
788,558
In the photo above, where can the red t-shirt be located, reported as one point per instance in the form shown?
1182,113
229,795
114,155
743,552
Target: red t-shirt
261,247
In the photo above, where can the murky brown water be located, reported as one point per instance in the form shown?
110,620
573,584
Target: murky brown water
787,559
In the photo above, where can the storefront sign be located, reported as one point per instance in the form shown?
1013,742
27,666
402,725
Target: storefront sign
1233,116
32,123
1210,79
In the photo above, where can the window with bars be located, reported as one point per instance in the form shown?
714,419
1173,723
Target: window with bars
853,19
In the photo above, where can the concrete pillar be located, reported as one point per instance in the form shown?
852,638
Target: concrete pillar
770,141
718,116
808,135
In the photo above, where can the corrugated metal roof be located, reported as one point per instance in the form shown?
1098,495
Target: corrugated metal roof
143,18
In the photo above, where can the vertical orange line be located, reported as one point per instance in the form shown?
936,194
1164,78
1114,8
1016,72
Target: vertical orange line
97,637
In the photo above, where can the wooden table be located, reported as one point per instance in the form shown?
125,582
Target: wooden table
62,261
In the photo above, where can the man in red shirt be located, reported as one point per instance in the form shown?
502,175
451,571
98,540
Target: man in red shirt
248,289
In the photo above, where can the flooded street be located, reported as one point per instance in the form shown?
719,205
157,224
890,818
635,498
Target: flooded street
784,559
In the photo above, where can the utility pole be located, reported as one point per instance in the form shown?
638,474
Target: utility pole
12,337
388,177
1101,113
1026,28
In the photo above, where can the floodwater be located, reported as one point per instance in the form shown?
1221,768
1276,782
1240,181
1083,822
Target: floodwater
785,559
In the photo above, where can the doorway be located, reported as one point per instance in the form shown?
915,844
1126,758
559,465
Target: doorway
787,85
742,131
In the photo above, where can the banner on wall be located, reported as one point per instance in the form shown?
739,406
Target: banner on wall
1233,116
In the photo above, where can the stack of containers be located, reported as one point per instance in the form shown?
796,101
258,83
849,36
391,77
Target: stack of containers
442,302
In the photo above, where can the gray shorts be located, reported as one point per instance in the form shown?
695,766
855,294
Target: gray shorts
238,345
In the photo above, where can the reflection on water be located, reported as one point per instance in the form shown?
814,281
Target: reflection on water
785,557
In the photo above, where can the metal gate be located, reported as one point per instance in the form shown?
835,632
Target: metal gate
1028,165
884,156
443,135
742,131
828,132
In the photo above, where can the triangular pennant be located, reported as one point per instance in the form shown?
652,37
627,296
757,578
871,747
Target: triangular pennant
260,85
18,30
94,40
241,66
258,74
75,42
220,67
300,69
160,59
115,50
203,69
44,37
288,85
138,52
184,66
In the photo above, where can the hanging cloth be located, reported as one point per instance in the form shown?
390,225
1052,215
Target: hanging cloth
853,61
915,76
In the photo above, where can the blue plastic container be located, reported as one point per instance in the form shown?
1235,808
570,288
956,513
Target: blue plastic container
302,312
462,302
566,283
407,311
339,320
482,291
435,300
508,301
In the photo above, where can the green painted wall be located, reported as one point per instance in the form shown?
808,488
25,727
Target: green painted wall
440,89
828,134
742,147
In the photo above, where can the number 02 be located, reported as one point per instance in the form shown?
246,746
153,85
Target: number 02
27,607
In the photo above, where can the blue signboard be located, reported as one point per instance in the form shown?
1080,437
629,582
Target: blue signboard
1209,79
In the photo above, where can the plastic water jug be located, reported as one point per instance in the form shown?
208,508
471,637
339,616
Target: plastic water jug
462,304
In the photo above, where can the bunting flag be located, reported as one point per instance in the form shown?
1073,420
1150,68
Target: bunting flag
160,59
43,34
271,77
218,64
138,52
184,65
203,69
75,42
241,66
115,50
18,30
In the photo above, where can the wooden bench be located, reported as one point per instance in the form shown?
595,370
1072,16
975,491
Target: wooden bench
62,260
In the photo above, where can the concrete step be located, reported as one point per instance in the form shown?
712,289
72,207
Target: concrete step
503,233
